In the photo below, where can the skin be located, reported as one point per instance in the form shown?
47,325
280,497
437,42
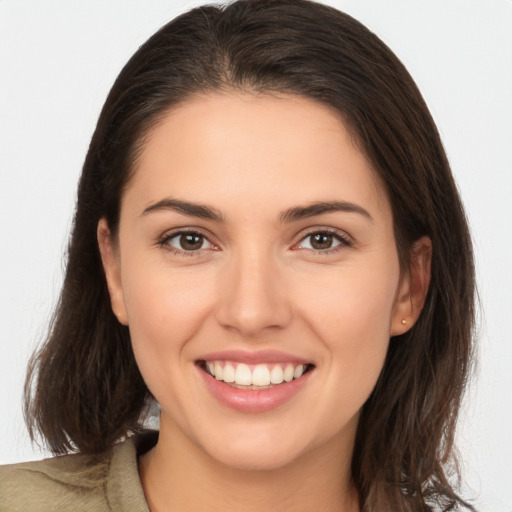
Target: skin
257,283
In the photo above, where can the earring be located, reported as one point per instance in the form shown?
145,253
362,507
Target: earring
404,321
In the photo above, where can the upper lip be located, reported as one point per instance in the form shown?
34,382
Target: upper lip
254,357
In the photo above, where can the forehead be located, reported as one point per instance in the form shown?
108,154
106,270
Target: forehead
286,149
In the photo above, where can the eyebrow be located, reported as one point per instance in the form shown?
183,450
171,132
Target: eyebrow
290,215
186,208
318,208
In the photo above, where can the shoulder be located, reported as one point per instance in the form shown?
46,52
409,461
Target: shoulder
70,482
82,483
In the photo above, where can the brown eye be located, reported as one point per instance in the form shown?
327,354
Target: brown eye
191,241
188,242
321,241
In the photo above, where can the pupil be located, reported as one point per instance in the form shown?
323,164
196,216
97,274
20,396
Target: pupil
190,242
321,241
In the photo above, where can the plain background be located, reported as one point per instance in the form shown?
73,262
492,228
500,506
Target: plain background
59,58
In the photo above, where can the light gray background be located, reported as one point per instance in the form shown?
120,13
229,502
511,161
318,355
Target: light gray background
59,58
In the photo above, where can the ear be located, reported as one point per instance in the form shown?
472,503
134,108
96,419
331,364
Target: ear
111,267
413,288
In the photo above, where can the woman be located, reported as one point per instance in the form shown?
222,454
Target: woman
260,246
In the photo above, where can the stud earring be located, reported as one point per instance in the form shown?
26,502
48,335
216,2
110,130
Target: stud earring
404,321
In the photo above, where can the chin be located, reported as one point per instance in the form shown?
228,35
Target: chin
254,449
258,459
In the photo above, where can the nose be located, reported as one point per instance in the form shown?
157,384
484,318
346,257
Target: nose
252,295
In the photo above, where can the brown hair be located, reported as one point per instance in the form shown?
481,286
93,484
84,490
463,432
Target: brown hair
88,390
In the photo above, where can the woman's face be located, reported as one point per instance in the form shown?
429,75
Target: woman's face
256,243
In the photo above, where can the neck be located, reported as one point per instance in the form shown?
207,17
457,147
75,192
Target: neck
178,476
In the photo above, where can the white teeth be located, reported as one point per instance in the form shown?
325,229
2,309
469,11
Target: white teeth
261,375
288,373
219,373
229,373
299,370
276,375
243,375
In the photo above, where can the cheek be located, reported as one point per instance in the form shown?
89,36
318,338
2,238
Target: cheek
354,303
165,310
352,318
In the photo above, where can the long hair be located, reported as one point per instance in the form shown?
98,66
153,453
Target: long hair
84,391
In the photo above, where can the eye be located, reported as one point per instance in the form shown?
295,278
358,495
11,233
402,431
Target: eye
324,241
187,242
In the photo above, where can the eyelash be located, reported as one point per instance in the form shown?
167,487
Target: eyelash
165,239
343,239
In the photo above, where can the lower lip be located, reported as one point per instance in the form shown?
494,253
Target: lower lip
253,400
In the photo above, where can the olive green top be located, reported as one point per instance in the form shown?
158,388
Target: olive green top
78,483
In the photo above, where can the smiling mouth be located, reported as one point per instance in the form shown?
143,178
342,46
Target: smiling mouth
254,376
